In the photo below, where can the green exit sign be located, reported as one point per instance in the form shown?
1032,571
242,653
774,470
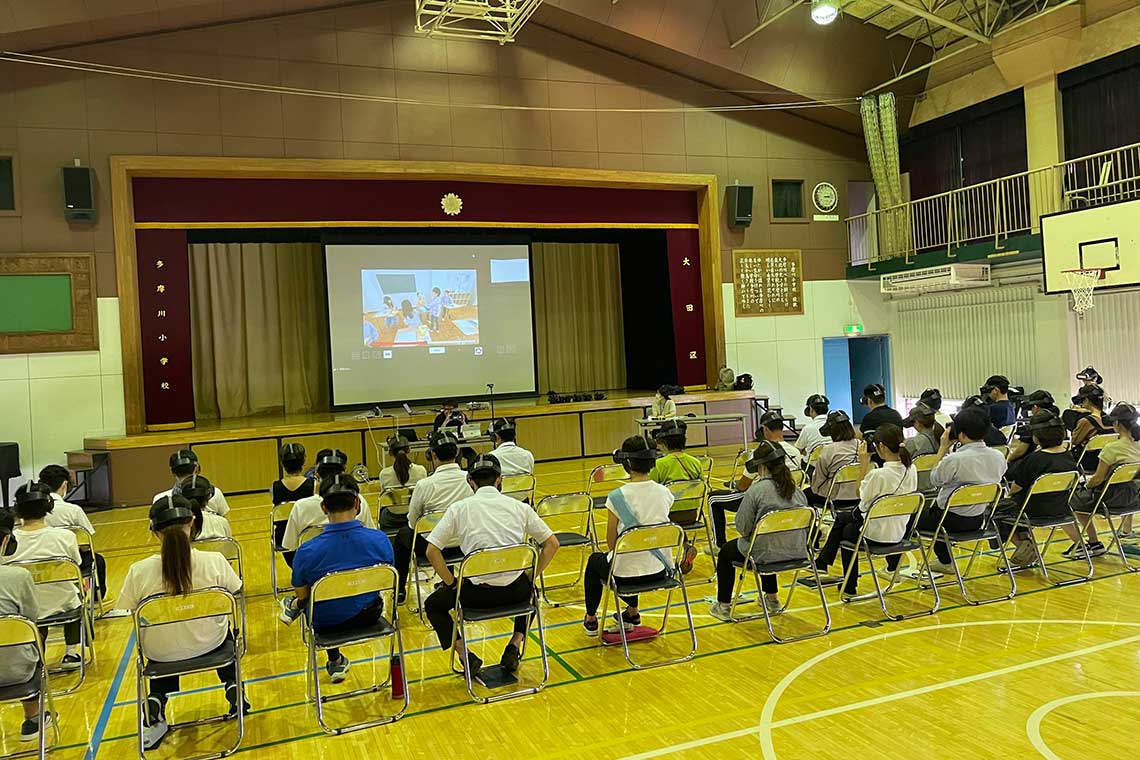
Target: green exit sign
850,330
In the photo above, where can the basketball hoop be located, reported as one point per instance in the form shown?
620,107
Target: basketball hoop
1082,282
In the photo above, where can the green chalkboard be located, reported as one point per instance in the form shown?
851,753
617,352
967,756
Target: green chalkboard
35,303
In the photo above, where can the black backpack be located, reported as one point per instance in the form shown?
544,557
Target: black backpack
743,383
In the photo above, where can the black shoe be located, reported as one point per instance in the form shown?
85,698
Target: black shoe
474,664
511,658
231,697
155,728
401,597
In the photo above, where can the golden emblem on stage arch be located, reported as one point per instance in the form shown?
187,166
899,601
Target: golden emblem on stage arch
452,204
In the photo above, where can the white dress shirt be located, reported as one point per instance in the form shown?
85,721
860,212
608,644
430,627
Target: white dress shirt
810,437
64,514
892,479
307,512
217,503
447,485
487,519
514,459
972,464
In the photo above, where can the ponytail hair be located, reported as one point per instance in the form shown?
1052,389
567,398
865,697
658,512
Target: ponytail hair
781,478
176,575
890,437
403,466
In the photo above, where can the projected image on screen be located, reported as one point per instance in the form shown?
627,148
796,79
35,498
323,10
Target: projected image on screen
419,307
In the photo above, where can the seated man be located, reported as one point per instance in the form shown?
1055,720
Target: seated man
815,409
185,462
438,491
64,514
514,459
1023,439
993,436
307,512
1002,411
875,399
345,544
772,430
932,397
18,597
485,520
973,463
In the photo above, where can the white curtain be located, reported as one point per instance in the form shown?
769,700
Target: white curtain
1106,339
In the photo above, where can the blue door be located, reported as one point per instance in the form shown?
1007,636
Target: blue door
870,363
837,373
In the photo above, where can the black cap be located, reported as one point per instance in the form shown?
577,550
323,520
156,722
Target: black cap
1094,392
833,418
816,399
1090,373
873,392
932,397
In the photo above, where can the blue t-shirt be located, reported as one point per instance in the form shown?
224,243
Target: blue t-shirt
1002,413
341,546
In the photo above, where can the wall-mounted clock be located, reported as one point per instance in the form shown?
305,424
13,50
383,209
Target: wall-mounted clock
825,197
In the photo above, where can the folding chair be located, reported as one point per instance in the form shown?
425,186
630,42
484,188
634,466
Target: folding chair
812,460
924,464
1003,450
380,579
852,473
452,555
706,468
310,533
742,456
688,510
1120,475
772,524
1007,431
64,570
17,631
988,494
667,541
798,478
571,517
603,479
1093,446
1051,483
393,501
231,550
906,505
480,564
520,487
163,609
278,519
87,545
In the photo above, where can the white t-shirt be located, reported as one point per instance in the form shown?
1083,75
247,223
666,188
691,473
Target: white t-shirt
46,543
793,457
180,641
307,512
217,503
388,479
514,459
488,519
889,480
810,437
447,485
214,526
64,514
650,503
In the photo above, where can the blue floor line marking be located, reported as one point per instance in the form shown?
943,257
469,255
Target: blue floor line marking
109,702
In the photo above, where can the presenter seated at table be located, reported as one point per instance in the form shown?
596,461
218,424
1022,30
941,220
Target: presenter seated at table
663,407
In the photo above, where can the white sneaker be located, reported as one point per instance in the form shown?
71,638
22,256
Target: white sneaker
157,727
941,567
720,611
1023,555
773,606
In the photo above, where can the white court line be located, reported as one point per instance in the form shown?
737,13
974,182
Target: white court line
766,722
1033,725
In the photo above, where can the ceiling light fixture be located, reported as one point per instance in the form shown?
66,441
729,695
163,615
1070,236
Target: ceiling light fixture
823,12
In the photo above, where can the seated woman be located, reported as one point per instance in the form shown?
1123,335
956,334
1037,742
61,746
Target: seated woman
833,457
197,491
1125,420
663,407
772,488
1048,456
928,431
1090,403
177,570
403,472
896,477
408,315
295,485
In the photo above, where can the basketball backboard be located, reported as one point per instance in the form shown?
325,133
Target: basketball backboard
1102,237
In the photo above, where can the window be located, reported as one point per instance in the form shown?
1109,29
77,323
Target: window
7,184
788,199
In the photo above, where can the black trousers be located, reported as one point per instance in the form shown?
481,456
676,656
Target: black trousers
477,596
846,528
362,619
726,573
721,502
389,520
597,571
70,633
954,523
162,688
87,560
402,550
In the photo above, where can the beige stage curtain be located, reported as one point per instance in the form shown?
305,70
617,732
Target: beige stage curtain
579,334
259,329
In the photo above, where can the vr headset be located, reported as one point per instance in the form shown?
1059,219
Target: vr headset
873,392
182,458
833,418
334,458
170,510
194,488
621,457
1089,392
1124,413
772,454
995,381
1090,374
486,463
292,450
921,409
669,429
932,397
502,424
441,438
816,399
398,443
34,493
766,419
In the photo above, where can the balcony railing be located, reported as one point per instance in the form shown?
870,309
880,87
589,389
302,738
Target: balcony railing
994,210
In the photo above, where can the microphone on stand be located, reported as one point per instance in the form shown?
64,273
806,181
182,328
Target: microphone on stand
491,388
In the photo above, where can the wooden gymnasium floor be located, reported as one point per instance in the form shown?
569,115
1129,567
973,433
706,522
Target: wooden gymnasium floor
1052,673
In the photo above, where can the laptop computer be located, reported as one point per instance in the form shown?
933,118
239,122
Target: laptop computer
471,430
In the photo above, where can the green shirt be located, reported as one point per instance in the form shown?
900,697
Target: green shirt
676,466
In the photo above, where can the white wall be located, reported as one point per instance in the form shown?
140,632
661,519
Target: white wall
50,402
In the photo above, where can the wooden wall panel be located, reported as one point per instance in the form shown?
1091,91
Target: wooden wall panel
696,435
557,436
138,474
602,432
241,465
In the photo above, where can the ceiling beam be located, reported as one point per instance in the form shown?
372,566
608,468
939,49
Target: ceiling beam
764,23
936,19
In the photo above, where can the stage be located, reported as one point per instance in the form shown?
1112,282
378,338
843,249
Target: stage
240,455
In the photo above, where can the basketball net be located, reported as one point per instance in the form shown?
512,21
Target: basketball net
1083,282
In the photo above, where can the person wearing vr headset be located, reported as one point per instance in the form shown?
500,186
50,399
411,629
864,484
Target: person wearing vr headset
451,416
403,472
197,491
932,397
992,436
973,463
1126,423
771,428
772,488
64,514
1023,440
35,539
842,451
928,432
514,459
1090,422
437,492
176,570
639,502
815,409
345,544
674,464
18,597
307,512
185,462
996,392
1089,376
485,520
875,399
1048,455
896,477
295,485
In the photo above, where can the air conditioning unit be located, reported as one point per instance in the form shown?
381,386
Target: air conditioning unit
933,279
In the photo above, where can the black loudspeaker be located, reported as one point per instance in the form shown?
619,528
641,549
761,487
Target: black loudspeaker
78,194
738,200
